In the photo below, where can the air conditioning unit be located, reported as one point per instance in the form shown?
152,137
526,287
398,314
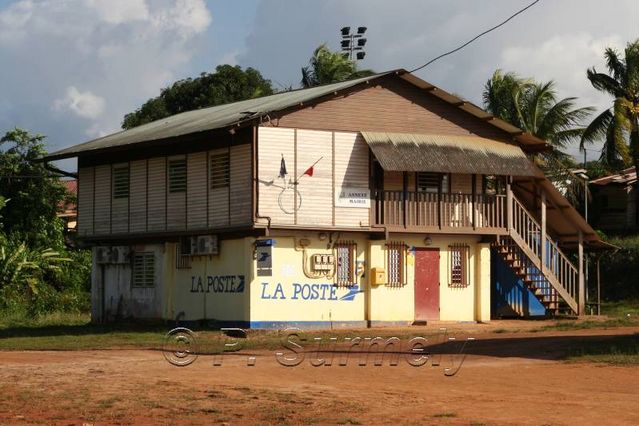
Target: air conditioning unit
204,245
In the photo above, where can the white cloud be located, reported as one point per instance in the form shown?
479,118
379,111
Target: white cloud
84,104
92,61
120,11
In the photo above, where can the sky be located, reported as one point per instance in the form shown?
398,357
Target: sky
71,69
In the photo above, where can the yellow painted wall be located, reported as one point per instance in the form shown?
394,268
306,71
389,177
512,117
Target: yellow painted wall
217,297
482,280
456,304
289,295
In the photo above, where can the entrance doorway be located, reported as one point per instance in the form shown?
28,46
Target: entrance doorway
426,284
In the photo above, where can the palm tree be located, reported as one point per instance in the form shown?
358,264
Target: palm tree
621,121
534,107
327,67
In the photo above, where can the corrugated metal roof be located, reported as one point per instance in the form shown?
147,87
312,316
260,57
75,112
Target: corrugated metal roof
208,118
447,154
222,116
625,177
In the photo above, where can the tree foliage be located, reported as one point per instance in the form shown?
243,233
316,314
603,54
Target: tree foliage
534,107
326,66
618,126
33,193
38,273
227,84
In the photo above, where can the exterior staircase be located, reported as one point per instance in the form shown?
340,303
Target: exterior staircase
536,259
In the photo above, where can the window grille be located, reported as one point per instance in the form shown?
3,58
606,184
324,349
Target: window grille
220,170
143,269
121,181
177,175
396,263
183,253
346,253
459,271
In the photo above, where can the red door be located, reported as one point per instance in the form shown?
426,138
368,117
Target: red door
426,284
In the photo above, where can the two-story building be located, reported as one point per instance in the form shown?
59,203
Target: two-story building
381,200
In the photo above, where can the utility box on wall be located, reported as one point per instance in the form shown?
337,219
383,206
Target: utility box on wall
378,276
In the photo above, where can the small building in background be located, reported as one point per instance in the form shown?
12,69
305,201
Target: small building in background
615,201
68,210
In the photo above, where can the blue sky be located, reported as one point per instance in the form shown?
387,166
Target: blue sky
71,69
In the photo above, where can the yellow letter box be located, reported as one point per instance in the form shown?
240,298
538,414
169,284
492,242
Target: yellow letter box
378,276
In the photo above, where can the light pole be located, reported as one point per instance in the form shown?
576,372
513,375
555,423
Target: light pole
349,43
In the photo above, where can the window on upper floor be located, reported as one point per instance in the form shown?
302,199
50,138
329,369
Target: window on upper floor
177,175
120,176
433,182
494,185
220,173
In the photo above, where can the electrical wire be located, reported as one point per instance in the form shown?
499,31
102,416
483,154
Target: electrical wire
476,37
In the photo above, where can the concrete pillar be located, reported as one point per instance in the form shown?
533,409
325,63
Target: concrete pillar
582,280
482,282
543,230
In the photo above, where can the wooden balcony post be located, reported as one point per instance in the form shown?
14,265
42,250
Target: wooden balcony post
404,196
582,281
509,203
473,204
543,230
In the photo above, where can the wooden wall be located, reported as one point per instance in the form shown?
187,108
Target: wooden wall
150,208
391,105
342,161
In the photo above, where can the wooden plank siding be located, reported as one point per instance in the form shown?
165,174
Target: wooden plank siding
137,197
151,208
196,188
85,201
390,106
345,165
102,214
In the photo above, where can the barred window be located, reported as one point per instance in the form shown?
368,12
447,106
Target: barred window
346,253
183,253
459,266
143,269
177,175
120,181
396,265
220,170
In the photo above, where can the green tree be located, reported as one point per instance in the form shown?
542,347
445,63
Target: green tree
535,108
326,66
33,193
618,126
227,84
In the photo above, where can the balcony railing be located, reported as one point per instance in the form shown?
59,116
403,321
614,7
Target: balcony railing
440,211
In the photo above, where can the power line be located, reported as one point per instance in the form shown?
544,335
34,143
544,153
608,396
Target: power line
476,37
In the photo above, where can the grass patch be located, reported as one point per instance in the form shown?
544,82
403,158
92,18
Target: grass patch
617,350
442,415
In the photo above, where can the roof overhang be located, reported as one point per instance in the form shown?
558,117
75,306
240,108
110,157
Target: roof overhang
448,154
252,110
565,221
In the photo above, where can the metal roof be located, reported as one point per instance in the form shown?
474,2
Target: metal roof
236,113
447,154
624,177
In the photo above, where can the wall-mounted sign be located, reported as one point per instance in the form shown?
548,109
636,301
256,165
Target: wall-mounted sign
353,197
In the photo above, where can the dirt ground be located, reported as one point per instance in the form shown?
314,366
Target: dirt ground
506,378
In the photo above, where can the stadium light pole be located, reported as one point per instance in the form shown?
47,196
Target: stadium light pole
353,43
